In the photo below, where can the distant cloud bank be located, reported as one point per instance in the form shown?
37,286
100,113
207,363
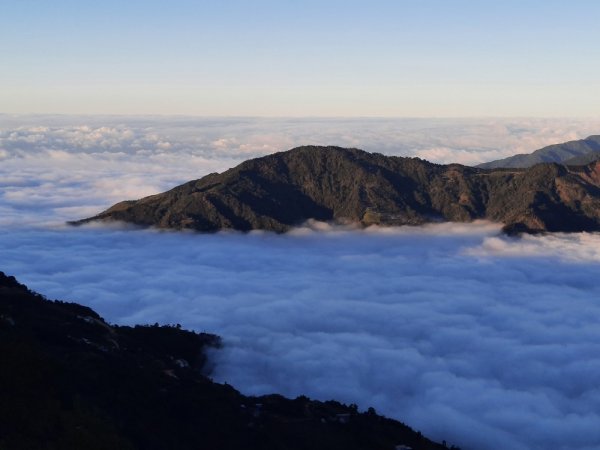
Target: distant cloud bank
65,167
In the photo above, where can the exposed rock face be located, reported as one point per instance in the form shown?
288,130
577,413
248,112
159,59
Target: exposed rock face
279,191
559,153
69,380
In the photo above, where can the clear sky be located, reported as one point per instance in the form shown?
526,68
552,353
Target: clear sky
412,58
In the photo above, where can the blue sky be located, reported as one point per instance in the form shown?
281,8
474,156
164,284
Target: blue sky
309,58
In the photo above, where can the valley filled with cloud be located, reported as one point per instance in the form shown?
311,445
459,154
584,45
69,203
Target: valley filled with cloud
486,341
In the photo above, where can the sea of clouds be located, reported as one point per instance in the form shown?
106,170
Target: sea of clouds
65,167
486,341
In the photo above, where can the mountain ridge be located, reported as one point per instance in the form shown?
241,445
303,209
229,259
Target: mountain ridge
571,152
282,190
583,159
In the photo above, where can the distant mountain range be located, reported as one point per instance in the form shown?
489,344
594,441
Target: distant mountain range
578,152
70,381
282,190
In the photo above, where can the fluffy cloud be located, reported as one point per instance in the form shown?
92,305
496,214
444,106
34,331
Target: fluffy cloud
577,247
485,348
441,140
485,341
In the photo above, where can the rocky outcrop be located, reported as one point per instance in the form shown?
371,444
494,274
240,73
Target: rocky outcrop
282,190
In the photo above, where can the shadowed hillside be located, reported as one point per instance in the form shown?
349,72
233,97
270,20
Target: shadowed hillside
69,380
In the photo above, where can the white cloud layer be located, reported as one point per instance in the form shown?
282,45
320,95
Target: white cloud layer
485,341
488,346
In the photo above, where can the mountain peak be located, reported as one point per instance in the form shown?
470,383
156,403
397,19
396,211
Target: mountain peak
282,190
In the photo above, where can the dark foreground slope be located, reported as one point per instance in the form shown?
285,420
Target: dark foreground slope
282,190
565,153
69,380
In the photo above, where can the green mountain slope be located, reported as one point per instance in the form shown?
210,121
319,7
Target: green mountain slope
282,190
